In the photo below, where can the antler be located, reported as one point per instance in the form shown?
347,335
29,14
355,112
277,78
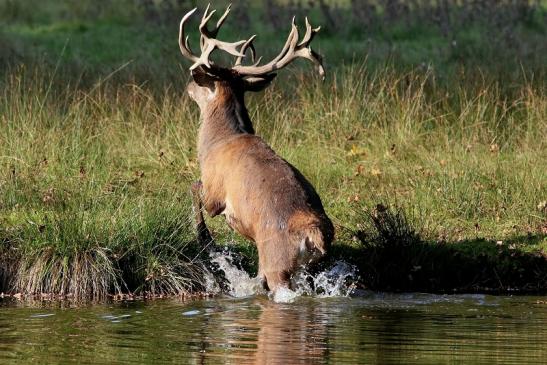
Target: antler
291,51
208,43
184,45
243,50
203,26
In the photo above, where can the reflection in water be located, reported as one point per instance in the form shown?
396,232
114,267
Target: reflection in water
375,328
291,333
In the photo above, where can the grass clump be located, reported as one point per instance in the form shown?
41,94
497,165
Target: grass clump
393,255
79,214
84,274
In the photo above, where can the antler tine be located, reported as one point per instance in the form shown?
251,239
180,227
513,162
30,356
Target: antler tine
203,26
310,33
207,16
243,50
315,58
293,37
223,18
257,61
292,50
209,43
289,53
183,43
205,19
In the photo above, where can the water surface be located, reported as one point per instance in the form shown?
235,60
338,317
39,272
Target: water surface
374,328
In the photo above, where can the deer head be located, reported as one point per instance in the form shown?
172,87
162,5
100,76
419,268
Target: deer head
211,81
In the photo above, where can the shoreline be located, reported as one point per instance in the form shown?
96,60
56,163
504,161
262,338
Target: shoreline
386,254
522,268
360,293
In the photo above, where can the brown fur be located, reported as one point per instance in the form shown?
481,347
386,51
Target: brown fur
262,196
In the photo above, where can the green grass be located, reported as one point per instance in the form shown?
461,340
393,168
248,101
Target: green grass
97,153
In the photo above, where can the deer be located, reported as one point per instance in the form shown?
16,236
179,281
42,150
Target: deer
262,196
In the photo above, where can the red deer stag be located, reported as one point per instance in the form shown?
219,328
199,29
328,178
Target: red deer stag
262,196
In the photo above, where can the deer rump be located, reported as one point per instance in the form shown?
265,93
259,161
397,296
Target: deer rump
270,202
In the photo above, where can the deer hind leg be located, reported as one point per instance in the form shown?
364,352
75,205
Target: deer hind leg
203,235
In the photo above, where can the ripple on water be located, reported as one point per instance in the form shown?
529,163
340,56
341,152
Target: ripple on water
377,328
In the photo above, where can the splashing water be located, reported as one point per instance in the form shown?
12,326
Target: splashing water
240,284
336,281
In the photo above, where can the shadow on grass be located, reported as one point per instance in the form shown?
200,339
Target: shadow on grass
392,256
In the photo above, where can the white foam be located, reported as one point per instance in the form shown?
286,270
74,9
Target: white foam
239,281
211,285
336,281
284,295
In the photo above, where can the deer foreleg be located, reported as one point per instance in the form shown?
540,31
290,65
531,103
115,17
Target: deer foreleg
203,234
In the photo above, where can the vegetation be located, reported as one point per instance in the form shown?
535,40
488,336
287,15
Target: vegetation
435,109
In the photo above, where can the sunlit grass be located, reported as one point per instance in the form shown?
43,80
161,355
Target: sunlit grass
108,169
97,139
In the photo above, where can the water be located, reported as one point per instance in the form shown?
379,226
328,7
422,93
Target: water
372,328
323,321
334,281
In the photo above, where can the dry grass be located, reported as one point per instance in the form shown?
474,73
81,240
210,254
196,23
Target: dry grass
84,275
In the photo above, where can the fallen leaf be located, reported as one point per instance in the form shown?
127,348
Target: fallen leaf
354,198
375,172
48,197
355,151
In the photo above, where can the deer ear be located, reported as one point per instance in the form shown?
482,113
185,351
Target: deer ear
258,83
203,78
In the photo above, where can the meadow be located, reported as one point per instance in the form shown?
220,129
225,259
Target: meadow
427,143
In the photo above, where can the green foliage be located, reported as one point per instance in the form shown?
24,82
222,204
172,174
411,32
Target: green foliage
394,256
97,138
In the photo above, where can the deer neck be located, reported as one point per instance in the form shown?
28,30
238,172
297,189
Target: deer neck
224,117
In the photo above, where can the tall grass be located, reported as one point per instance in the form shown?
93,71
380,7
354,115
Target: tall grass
439,111
88,185
94,182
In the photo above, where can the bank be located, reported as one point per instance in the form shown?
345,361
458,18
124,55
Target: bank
388,253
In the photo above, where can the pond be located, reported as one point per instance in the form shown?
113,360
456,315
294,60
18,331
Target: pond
369,328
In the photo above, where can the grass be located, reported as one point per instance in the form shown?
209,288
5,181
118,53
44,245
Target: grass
97,153
398,258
